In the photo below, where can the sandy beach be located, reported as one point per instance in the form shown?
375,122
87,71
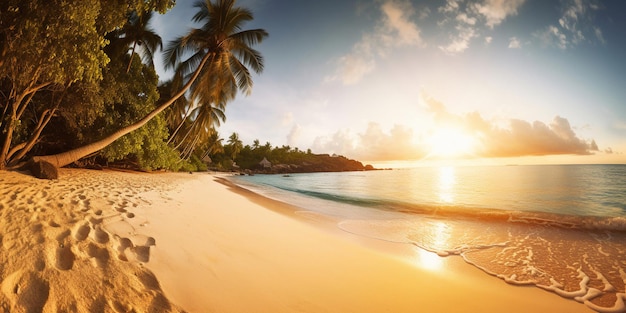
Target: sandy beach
105,241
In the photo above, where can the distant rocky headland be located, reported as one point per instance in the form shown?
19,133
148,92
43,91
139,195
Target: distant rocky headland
309,163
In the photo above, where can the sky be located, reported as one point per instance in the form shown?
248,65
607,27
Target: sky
482,81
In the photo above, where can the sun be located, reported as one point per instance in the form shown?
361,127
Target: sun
448,142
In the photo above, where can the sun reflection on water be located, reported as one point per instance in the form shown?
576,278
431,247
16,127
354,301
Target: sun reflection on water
447,181
436,237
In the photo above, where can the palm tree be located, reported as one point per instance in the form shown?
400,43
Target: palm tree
137,32
219,53
235,145
200,126
212,145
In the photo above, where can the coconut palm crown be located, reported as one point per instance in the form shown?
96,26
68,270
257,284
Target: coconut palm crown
137,32
228,48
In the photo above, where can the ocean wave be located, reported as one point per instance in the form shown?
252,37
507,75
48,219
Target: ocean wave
585,266
617,223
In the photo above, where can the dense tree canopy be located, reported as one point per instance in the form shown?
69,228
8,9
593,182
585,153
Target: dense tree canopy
76,65
283,159
52,59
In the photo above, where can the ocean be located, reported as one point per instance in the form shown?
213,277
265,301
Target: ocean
561,228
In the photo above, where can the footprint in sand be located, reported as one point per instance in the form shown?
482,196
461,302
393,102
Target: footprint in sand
27,292
142,253
99,235
100,256
64,257
82,232
122,245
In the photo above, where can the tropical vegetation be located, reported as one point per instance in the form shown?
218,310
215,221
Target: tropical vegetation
257,158
78,85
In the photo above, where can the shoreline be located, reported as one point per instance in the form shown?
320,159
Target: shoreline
187,242
313,266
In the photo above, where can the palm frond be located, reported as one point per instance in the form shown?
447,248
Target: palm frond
242,76
250,37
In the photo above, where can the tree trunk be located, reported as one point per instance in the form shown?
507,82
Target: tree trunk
132,53
8,137
26,146
65,158
179,126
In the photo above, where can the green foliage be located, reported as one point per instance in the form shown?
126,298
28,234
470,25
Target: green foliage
54,41
52,61
195,164
148,145
128,97
284,159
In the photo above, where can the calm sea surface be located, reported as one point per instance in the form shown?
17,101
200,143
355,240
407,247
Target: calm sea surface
558,227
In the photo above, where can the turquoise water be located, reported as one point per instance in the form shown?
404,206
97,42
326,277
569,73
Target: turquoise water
558,227
575,190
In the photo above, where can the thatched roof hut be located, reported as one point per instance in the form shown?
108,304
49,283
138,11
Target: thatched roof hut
265,163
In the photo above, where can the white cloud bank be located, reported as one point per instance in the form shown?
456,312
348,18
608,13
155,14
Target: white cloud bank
517,138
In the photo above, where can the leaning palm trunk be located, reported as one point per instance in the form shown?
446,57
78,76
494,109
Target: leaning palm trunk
65,158
132,52
179,126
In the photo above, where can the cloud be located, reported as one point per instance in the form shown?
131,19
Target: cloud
514,43
520,138
598,32
469,18
524,138
294,135
450,7
495,11
514,138
553,36
424,13
342,142
396,20
572,14
353,68
463,18
461,41
373,144
394,29
575,26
